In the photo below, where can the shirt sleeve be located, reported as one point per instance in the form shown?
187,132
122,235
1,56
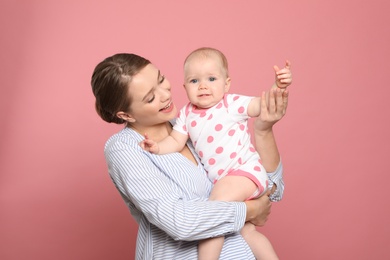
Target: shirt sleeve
276,178
156,196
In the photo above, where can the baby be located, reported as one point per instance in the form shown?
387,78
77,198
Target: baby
216,123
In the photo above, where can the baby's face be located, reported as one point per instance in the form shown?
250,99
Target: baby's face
205,81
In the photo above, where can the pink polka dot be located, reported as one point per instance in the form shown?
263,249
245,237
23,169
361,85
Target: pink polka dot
211,161
239,142
219,105
241,110
240,161
218,127
200,154
235,98
231,132
233,155
184,128
210,139
210,116
220,171
178,114
257,168
242,127
219,150
203,114
252,149
193,123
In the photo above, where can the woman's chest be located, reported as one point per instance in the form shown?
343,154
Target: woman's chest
189,179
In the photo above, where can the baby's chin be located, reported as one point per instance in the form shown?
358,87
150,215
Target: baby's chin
203,106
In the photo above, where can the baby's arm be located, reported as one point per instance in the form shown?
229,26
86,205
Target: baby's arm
283,78
175,142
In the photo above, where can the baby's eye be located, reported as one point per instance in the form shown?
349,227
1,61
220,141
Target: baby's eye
193,81
212,78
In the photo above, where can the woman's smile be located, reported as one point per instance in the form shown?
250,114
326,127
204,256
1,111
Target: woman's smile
168,108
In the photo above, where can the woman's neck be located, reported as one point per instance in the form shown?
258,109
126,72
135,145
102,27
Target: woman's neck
156,132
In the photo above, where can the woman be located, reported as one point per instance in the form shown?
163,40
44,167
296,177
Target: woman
167,194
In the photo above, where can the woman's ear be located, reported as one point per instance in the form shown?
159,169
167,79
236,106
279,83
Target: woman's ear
227,85
125,116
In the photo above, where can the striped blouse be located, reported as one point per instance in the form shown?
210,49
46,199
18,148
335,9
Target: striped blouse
167,196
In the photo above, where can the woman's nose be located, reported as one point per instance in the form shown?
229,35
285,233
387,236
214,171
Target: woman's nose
165,93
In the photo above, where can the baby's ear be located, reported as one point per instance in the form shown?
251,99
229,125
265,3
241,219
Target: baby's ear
227,85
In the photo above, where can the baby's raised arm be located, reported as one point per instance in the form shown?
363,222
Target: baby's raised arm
175,142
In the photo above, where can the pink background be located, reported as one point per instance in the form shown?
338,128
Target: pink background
57,201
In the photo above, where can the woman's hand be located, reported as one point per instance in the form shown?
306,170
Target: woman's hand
258,210
273,108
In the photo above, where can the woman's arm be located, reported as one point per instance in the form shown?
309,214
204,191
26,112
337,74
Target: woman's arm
162,197
274,105
273,108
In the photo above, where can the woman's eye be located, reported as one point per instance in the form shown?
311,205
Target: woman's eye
151,99
212,78
193,81
162,79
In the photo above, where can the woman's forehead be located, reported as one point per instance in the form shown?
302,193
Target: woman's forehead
144,80
147,75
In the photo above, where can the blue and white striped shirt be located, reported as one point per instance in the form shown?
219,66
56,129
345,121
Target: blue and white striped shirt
167,196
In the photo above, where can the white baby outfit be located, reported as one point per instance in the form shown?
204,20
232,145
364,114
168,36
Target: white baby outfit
221,139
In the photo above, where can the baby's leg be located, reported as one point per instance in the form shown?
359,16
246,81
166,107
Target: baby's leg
229,188
259,244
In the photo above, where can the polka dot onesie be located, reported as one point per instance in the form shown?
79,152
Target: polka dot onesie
221,139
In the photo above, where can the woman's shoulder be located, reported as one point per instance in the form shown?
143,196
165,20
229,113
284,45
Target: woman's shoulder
122,139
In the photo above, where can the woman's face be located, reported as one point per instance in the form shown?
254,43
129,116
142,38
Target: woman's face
151,98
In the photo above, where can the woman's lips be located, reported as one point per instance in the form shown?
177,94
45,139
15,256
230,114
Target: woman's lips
168,108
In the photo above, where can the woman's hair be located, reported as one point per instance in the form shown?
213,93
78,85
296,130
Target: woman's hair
207,52
110,83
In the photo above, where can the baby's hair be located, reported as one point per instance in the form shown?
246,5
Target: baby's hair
208,52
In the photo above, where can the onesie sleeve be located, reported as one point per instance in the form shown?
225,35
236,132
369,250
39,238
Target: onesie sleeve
276,178
149,192
238,105
180,124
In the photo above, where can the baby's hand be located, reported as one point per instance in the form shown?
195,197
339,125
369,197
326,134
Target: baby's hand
283,77
149,145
